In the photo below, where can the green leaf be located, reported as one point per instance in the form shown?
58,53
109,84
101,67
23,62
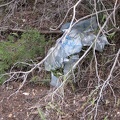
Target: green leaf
15,34
41,114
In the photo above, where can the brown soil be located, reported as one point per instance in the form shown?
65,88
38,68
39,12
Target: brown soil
17,107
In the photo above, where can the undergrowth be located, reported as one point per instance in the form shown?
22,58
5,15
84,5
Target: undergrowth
28,46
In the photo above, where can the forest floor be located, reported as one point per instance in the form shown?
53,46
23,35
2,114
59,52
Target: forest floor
18,106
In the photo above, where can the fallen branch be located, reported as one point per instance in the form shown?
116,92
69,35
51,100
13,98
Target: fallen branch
21,30
6,3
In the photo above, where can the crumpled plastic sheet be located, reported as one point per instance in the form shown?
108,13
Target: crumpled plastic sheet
65,54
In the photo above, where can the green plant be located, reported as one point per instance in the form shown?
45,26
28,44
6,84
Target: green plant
106,118
54,107
41,114
118,103
111,35
30,46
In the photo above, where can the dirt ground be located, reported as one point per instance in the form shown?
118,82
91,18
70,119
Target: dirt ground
18,106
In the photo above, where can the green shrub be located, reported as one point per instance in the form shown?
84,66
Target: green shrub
29,46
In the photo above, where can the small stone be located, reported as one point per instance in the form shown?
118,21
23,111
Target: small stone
33,92
23,20
25,93
84,98
118,113
10,115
